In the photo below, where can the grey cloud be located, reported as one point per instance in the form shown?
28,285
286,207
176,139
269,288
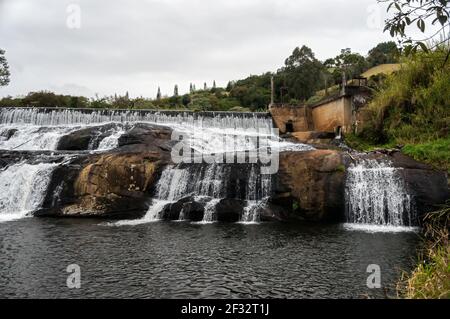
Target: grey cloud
138,45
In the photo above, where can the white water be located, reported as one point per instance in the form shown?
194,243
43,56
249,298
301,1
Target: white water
206,184
210,210
376,195
31,137
379,228
22,189
44,117
206,133
38,138
110,142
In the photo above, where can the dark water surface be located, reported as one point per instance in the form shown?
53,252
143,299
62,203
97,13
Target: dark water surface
183,260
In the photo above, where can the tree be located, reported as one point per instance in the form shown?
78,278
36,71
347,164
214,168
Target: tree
186,99
385,52
175,91
353,64
205,86
252,92
158,95
301,74
214,84
4,69
418,13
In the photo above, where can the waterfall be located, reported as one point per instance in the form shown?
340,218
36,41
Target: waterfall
31,137
41,129
54,117
111,141
207,134
376,194
209,184
205,181
22,189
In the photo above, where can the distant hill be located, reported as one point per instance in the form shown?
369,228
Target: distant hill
382,68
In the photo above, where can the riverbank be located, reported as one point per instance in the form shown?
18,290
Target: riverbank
410,112
431,277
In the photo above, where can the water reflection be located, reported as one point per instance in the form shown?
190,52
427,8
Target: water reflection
184,260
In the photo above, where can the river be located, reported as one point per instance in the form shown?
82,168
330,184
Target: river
188,260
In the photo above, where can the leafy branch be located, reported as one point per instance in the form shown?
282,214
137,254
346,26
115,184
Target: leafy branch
419,13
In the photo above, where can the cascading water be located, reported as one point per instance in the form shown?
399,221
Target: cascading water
22,189
376,195
54,117
209,184
225,134
109,142
30,137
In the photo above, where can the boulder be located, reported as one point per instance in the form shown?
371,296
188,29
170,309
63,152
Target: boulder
229,209
116,185
146,137
7,134
310,185
193,211
81,139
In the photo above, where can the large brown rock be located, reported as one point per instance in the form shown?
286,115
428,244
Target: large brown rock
310,185
113,185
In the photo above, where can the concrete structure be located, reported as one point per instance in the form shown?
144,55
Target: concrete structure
337,114
289,118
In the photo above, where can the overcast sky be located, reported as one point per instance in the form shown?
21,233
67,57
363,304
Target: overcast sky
138,45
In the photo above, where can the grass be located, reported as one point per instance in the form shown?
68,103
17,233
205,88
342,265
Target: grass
411,108
382,69
436,153
431,277
361,144
385,69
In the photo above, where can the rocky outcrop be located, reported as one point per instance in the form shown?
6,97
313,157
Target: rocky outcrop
116,184
146,137
80,140
120,183
310,185
314,137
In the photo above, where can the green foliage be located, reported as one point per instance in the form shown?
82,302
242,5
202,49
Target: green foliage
436,153
431,277
418,14
383,53
252,92
413,106
295,206
185,100
302,74
4,69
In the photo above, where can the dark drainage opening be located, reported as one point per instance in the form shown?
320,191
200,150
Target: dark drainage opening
289,127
